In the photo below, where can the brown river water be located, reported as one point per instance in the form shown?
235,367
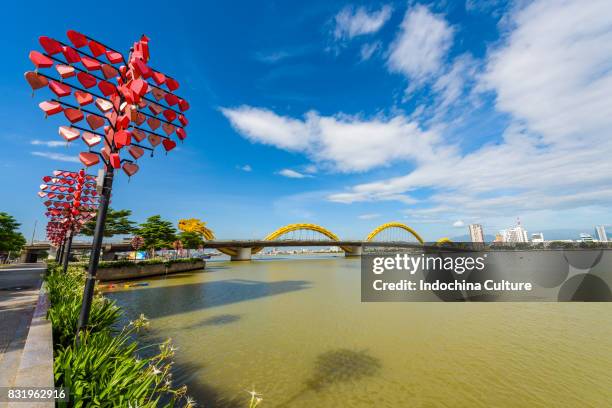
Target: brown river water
295,330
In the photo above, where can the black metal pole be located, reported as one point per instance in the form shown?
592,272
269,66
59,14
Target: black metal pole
96,246
66,254
60,251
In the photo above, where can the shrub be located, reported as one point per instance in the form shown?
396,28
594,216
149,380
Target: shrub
66,294
104,368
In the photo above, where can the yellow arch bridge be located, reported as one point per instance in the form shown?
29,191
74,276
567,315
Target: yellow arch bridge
289,235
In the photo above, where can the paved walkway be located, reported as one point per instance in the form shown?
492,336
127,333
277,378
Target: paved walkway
19,286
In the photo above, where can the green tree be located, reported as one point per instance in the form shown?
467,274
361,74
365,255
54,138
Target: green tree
10,238
157,233
117,223
191,240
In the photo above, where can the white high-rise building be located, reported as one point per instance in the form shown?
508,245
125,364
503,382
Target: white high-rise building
601,233
476,233
515,234
584,237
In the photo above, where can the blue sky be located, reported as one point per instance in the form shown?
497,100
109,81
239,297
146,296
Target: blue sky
347,114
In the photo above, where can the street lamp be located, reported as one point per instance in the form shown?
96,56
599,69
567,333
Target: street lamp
133,101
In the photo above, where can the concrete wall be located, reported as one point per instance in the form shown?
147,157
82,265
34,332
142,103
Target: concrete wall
139,270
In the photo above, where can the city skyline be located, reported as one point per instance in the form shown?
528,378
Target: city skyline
338,118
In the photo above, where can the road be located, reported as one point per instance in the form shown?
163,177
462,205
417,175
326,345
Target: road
19,286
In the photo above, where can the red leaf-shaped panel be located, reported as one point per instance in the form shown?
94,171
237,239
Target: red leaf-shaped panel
136,152
107,88
113,57
65,71
50,45
89,159
90,63
83,98
90,139
95,121
73,115
76,38
115,160
172,84
130,169
71,55
50,107
183,105
36,81
169,144
87,80
68,133
170,115
60,89
39,60
96,48
122,138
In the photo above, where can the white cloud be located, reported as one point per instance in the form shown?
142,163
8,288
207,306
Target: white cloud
450,86
420,46
292,174
57,156
246,167
48,143
458,224
347,143
555,71
368,216
552,74
367,50
272,57
264,126
310,169
351,22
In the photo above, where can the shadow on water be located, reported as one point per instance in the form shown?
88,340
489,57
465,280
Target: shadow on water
164,301
338,366
204,394
218,320
191,374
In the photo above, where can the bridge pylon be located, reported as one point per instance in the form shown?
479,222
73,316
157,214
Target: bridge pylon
241,254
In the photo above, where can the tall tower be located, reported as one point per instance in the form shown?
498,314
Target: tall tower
476,233
601,233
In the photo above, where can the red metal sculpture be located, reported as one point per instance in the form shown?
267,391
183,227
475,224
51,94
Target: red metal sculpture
113,105
71,201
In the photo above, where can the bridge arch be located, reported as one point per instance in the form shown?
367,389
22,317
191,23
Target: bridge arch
388,225
297,227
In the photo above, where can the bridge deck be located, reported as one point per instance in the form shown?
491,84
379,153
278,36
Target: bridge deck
125,247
